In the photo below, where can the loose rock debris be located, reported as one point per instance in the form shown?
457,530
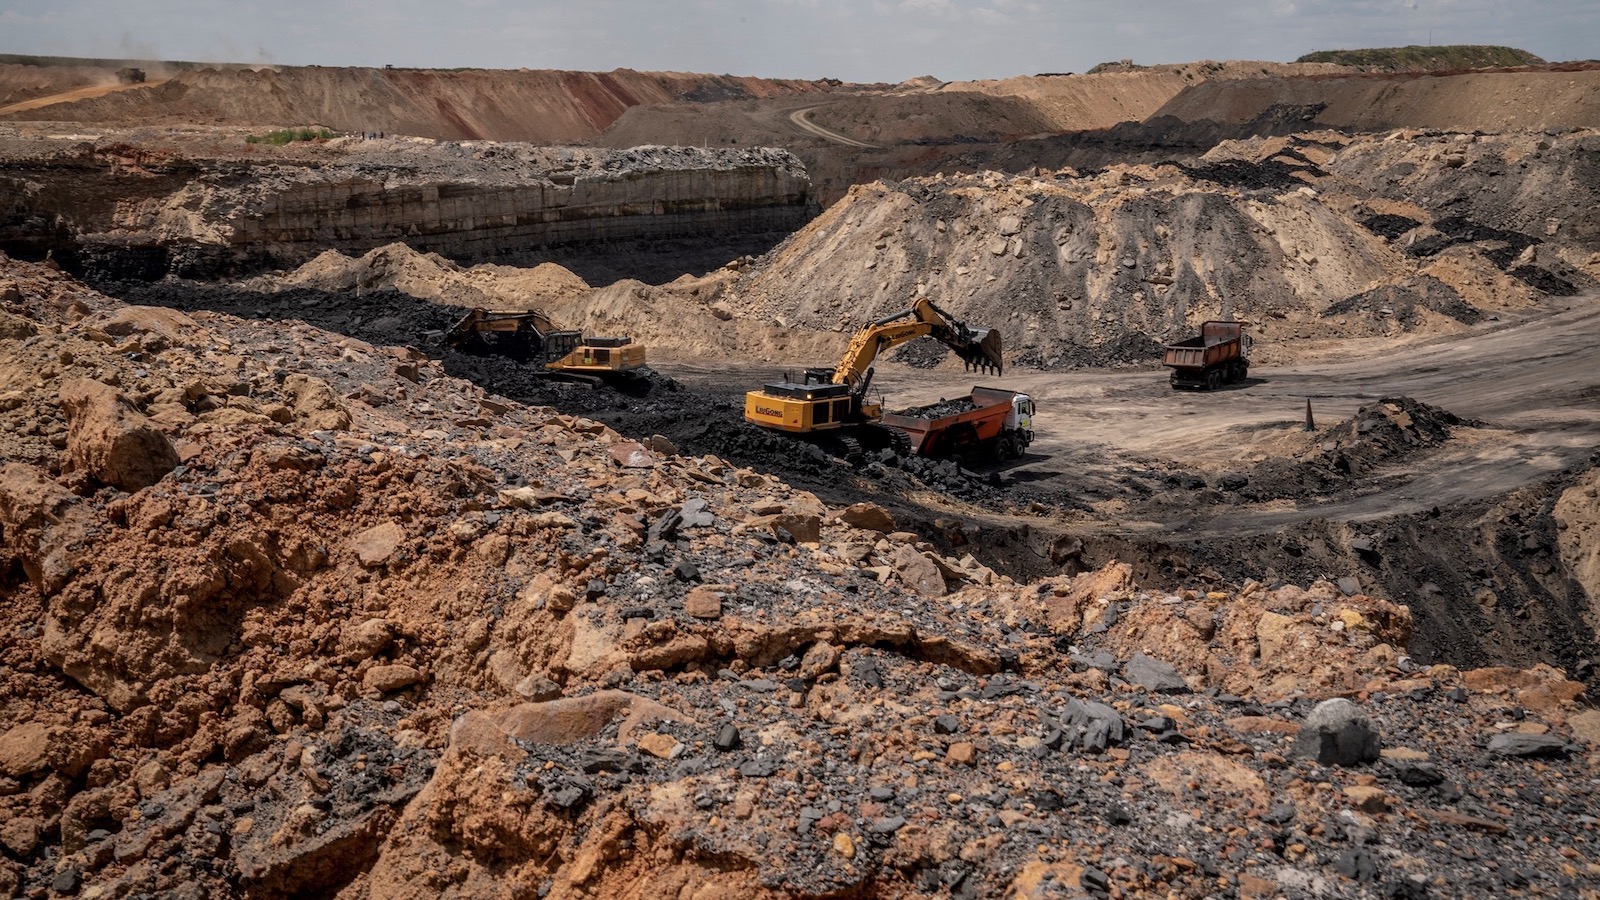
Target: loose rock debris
380,634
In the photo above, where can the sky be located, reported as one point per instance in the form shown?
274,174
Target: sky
867,41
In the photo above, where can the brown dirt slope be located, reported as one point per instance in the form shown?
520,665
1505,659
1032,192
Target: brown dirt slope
540,106
934,113
1467,101
19,83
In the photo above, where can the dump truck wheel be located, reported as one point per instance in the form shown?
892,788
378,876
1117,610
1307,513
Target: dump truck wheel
1213,379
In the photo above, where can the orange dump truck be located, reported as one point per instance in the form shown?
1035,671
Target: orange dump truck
990,422
1220,355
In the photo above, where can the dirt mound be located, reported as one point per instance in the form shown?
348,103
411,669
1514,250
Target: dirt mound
1393,431
430,276
1392,428
1300,234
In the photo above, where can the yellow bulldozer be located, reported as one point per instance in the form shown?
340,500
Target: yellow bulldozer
830,406
529,336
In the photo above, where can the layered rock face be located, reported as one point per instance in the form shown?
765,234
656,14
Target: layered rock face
124,217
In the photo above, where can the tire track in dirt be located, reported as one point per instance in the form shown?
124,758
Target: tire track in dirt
802,120
87,93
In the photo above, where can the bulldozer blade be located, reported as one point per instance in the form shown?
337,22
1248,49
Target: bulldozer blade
984,352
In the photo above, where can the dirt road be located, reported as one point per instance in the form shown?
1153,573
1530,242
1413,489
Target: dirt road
99,90
1532,385
802,120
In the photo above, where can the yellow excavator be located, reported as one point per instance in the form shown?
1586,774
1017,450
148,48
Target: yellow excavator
830,407
531,337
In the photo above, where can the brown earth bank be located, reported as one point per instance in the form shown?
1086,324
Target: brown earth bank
541,106
292,613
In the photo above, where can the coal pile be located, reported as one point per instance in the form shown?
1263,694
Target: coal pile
1273,174
1392,428
1389,226
381,317
941,409
1455,230
1403,303
1379,434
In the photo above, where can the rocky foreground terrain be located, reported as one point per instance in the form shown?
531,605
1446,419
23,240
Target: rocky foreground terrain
290,614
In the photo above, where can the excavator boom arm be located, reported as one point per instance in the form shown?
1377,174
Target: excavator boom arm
978,348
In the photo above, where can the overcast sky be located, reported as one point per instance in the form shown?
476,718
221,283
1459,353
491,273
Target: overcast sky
868,41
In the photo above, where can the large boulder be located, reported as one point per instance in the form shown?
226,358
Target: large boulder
868,516
111,440
1338,733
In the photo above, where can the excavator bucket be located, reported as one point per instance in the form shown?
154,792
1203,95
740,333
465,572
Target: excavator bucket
982,353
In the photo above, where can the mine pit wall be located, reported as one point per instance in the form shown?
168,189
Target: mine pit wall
1504,581
243,219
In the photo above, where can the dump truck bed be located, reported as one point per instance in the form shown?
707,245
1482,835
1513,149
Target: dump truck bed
1217,343
979,416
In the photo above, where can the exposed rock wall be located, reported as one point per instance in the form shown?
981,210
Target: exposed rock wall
144,219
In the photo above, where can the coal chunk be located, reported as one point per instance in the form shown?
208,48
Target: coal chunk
727,738
1357,864
1091,726
1527,745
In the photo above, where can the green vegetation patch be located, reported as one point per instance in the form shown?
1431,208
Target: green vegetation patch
1426,59
290,135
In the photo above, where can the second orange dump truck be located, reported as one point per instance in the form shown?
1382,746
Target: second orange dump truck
1220,355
